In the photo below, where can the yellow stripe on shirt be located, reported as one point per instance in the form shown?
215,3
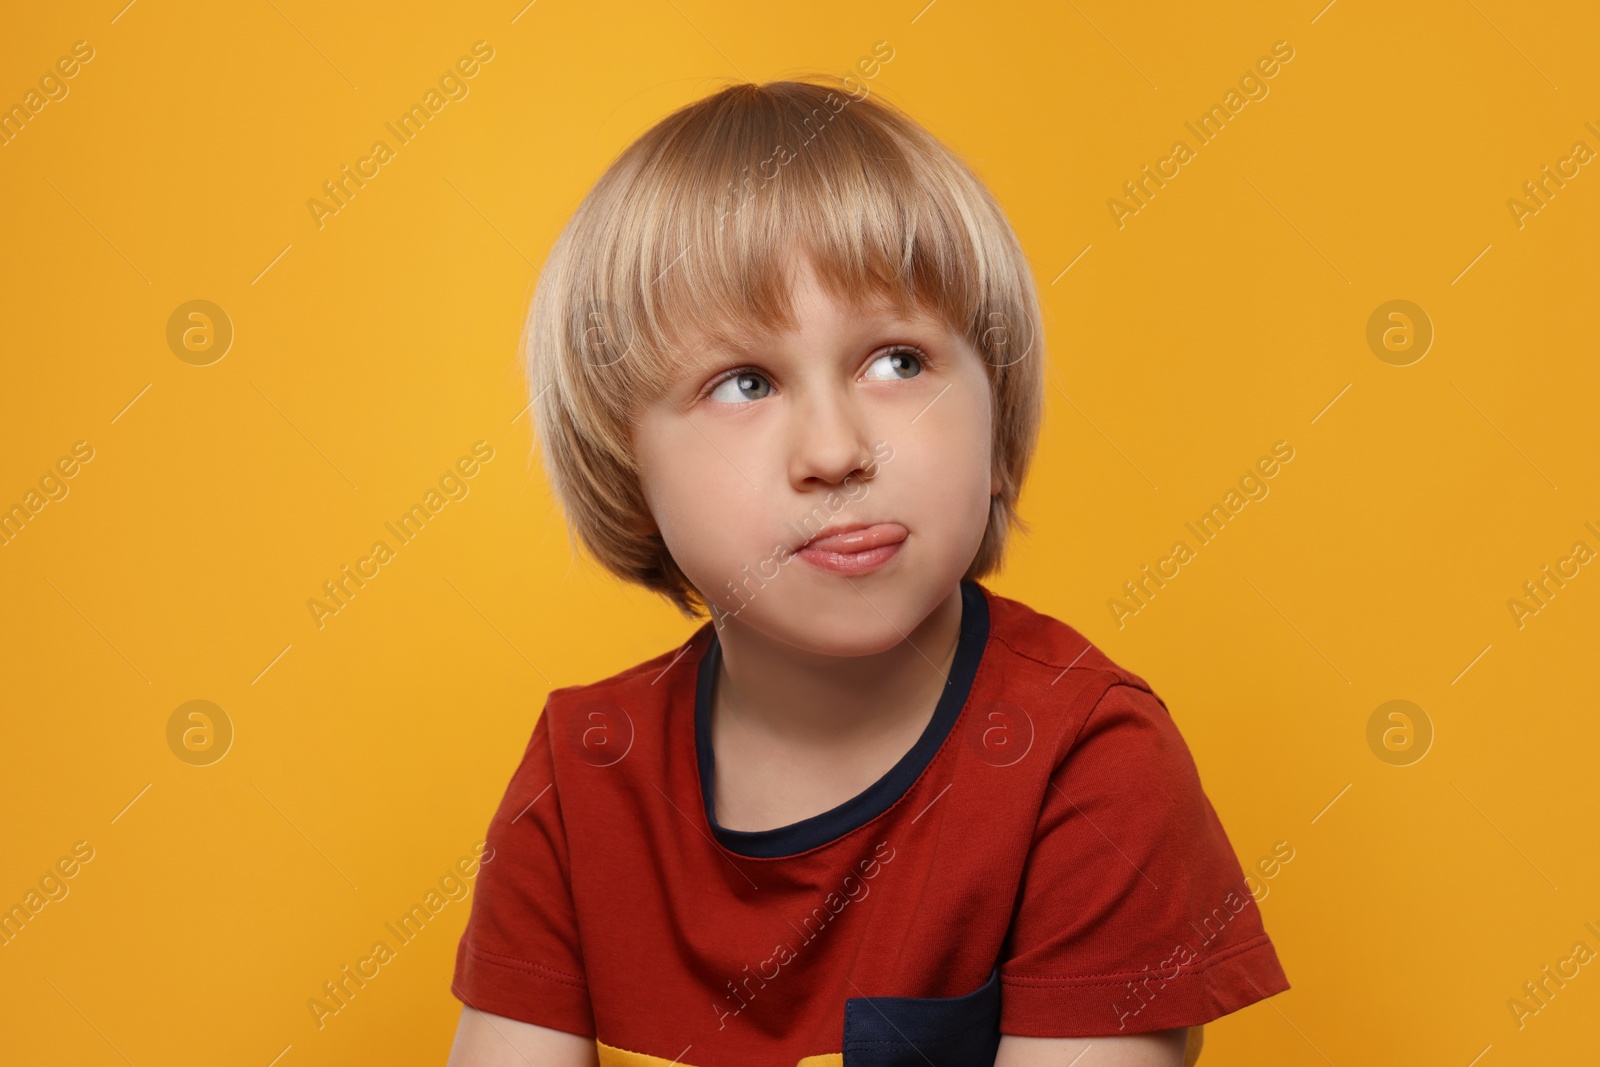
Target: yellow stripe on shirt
611,1056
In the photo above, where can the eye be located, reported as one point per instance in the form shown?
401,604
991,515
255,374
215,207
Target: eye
902,362
740,387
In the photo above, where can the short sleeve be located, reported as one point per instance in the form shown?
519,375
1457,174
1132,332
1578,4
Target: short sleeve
519,956
1133,914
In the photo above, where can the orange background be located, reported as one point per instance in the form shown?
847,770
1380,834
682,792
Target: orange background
369,354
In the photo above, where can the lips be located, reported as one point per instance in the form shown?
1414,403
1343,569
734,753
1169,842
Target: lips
855,549
857,537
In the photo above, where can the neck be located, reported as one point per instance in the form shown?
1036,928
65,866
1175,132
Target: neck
811,699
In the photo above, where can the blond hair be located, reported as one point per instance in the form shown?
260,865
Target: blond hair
690,233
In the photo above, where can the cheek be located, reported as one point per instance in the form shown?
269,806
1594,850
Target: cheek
947,465
955,445
662,477
697,499
675,489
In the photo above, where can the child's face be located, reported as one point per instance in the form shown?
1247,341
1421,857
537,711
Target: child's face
839,423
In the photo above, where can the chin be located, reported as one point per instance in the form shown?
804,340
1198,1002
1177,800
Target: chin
865,637
837,620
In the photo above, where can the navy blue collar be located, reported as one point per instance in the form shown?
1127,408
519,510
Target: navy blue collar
878,797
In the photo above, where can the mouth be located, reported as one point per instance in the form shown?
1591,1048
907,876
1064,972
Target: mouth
854,549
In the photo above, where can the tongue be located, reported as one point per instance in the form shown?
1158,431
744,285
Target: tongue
884,533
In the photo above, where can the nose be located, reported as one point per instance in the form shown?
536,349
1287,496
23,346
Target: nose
828,440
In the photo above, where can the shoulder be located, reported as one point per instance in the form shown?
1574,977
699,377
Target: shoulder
1097,723
1113,750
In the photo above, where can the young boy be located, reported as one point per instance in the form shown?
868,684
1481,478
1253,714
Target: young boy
787,363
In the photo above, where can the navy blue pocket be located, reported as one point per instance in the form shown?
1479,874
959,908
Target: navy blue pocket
918,1031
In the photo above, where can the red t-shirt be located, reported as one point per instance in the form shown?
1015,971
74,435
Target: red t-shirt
1042,862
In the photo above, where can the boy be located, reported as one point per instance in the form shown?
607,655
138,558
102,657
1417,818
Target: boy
786,361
